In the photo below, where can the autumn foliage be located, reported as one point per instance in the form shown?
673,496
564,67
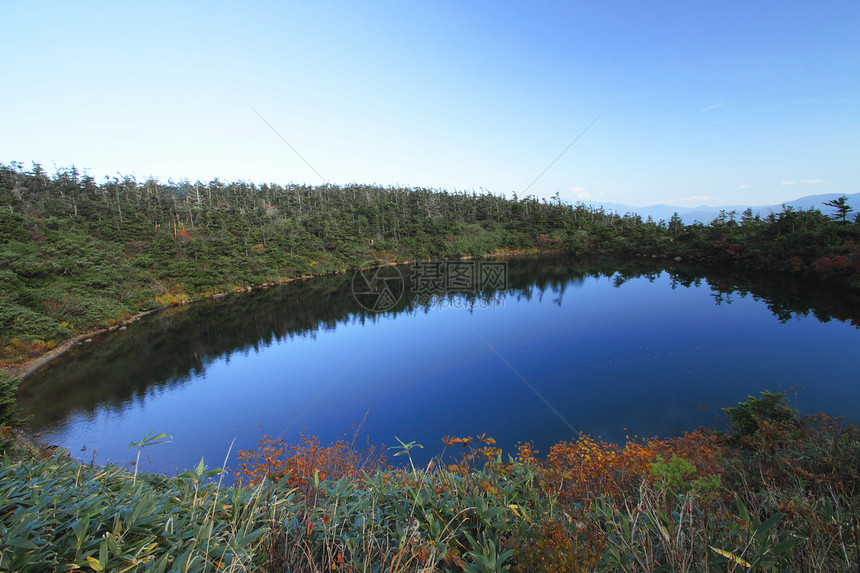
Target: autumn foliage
587,467
778,492
302,463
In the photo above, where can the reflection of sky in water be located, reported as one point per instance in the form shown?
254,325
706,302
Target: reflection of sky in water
640,359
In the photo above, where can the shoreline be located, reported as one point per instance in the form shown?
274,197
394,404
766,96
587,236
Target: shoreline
32,365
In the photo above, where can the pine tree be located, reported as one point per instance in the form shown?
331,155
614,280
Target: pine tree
842,208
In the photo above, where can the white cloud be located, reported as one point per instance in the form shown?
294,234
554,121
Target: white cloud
580,193
710,107
814,181
742,186
787,183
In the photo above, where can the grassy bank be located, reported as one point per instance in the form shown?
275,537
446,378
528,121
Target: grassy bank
781,492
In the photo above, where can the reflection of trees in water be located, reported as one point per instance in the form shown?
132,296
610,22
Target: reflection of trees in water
177,344
785,299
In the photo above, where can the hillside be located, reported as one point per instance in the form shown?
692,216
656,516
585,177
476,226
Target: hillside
77,255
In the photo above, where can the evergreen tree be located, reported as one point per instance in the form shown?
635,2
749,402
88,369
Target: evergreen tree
8,404
842,208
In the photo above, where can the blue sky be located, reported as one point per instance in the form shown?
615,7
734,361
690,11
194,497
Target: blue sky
705,103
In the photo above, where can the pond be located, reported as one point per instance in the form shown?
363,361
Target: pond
535,349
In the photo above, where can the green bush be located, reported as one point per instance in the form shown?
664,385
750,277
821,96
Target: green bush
746,418
17,321
8,404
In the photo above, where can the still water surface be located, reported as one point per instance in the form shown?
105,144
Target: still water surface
610,349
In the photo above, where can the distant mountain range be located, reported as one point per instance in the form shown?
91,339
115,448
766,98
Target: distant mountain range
706,214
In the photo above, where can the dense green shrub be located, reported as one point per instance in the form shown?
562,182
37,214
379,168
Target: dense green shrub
8,405
746,418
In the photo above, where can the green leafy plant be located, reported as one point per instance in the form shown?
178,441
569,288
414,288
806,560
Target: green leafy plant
149,440
677,475
404,449
762,550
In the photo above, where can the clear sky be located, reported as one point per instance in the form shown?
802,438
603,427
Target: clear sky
705,102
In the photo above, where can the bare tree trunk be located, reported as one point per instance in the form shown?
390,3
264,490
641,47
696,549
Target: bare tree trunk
118,206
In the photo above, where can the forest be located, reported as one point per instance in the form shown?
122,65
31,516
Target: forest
78,255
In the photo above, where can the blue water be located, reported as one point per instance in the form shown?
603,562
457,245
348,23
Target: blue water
579,354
